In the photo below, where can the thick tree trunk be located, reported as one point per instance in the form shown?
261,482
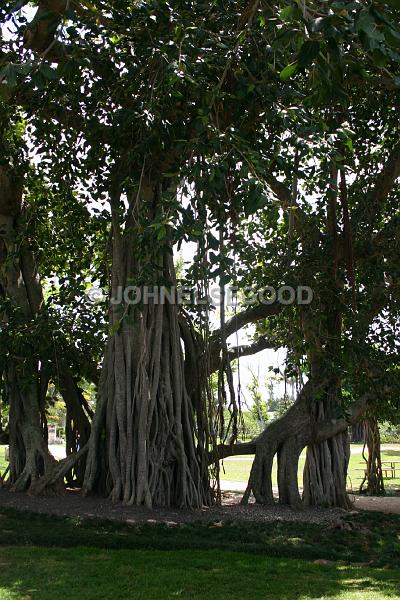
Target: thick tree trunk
288,464
77,426
285,437
325,473
325,470
22,299
357,433
144,445
29,456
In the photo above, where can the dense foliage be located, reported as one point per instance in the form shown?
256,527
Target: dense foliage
265,135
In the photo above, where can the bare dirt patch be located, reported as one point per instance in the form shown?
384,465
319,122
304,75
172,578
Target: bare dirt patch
72,504
385,504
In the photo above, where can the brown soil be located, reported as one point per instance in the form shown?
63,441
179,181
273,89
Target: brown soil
386,504
72,504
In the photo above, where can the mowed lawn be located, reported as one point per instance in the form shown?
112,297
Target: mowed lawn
48,558
91,574
3,463
237,468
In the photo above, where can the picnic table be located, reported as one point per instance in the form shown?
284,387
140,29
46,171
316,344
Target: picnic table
393,465
387,466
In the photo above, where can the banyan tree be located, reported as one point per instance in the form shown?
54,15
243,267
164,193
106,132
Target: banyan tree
129,129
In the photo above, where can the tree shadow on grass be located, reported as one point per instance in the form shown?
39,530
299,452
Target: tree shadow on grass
52,557
92,573
366,536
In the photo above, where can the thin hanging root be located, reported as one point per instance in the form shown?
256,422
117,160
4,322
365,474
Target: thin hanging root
225,371
328,453
348,236
293,204
288,463
146,442
325,473
55,478
151,455
373,474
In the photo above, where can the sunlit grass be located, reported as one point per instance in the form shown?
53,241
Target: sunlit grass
3,462
88,573
238,469
43,557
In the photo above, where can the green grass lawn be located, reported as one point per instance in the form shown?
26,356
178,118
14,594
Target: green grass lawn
3,463
48,558
238,469
90,573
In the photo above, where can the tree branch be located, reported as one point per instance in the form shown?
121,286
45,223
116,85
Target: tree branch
387,177
40,33
297,413
329,429
263,343
250,315
226,450
302,222
369,211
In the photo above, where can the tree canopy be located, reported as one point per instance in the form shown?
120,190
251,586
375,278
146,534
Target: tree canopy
265,135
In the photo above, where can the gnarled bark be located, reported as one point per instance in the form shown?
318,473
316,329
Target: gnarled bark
373,475
285,437
29,455
325,473
77,427
30,458
20,289
144,445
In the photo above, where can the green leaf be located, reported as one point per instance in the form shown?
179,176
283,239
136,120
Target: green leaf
368,30
24,68
319,24
213,243
308,52
8,75
289,13
47,71
4,92
288,71
349,144
225,279
393,38
161,233
379,58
